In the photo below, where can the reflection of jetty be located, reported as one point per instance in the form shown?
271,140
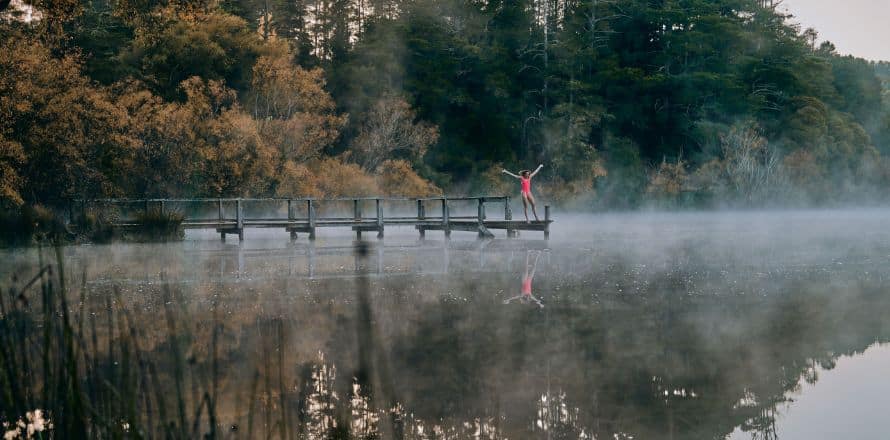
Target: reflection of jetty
236,264
227,216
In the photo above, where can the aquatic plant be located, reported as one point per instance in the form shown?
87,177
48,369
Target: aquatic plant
159,225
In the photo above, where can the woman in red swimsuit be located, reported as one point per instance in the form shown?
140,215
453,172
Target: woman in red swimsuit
525,179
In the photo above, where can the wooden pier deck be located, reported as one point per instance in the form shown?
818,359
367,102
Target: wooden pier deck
296,216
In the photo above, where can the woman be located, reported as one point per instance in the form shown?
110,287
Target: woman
525,179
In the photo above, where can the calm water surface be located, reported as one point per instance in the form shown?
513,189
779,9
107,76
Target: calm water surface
675,326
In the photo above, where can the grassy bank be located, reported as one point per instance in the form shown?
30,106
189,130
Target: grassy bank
32,225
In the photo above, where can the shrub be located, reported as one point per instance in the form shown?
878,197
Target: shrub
28,224
92,227
157,225
397,178
336,178
668,180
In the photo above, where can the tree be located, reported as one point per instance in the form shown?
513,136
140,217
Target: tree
390,132
293,27
293,110
214,46
61,137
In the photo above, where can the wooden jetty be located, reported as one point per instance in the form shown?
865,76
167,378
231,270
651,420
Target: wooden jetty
227,216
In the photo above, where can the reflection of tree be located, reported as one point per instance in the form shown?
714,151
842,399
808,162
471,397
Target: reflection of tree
660,363
647,356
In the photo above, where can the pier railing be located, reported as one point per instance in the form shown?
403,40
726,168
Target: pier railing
306,215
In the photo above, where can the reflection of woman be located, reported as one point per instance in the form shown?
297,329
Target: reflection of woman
525,295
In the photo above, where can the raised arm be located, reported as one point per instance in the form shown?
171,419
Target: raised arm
509,173
536,170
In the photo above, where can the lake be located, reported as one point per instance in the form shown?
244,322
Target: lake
760,325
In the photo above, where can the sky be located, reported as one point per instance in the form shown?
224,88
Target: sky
856,27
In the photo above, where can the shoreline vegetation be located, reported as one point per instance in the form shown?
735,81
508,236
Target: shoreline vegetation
713,104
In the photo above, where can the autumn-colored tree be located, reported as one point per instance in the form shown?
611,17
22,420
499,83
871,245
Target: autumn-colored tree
61,135
297,180
668,179
167,160
292,108
12,156
232,158
390,131
397,178
337,178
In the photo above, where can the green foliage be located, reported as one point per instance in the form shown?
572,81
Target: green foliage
245,96
213,47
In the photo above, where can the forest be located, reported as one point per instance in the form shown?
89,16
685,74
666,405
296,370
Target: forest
627,103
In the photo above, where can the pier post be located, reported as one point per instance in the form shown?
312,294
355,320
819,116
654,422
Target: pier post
162,207
379,219
380,257
357,210
222,235
311,259
421,216
546,221
239,219
311,207
480,213
290,218
446,222
508,217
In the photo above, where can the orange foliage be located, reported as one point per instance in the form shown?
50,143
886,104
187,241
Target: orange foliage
63,136
11,157
297,180
206,145
293,109
337,178
59,135
669,179
237,161
397,178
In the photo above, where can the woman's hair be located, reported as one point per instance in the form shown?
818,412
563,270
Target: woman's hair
524,173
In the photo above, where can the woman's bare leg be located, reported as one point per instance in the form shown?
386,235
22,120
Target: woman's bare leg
525,206
531,199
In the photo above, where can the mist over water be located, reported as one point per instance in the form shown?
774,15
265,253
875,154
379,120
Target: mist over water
643,325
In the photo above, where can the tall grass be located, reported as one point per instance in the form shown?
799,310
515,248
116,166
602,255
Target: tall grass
88,372
98,369
158,225
28,224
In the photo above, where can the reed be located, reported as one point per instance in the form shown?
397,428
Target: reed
97,368
88,372
158,225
